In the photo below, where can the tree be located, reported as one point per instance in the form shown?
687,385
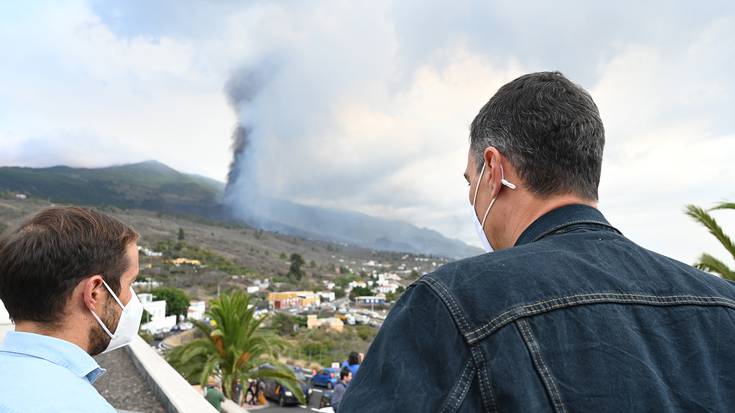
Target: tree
393,297
147,317
233,346
360,292
177,302
295,271
339,292
285,324
181,236
706,261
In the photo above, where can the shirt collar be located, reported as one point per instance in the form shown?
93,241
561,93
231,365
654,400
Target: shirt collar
57,351
562,217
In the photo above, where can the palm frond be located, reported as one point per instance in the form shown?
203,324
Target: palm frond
723,205
231,346
701,216
709,263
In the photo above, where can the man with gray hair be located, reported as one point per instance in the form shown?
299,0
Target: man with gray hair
567,314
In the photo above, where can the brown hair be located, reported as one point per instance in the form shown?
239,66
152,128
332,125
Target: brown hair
43,260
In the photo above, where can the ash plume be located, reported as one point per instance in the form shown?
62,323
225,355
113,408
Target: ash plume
242,89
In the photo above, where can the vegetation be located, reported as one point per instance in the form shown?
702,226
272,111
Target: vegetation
339,292
287,325
295,271
177,302
232,346
147,185
181,235
324,347
360,292
344,280
146,318
706,261
182,249
393,297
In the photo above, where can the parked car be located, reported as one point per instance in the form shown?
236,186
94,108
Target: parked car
275,390
326,378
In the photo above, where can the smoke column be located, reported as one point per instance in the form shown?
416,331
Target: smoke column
242,89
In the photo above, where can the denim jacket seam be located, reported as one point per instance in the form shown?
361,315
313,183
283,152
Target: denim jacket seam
450,302
544,306
486,390
460,389
447,299
541,367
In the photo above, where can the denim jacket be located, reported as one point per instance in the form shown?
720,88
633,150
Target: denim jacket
574,318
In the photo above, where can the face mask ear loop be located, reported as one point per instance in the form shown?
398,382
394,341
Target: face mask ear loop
99,320
487,211
113,295
104,327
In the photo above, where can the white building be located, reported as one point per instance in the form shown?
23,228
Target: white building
159,323
327,295
252,289
149,252
196,310
370,300
262,284
387,288
354,284
147,284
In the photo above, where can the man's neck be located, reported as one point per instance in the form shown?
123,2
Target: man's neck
534,209
70,335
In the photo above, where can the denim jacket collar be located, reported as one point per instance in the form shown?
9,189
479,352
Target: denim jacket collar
562,217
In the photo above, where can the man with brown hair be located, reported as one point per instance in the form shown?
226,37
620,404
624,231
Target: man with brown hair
65,280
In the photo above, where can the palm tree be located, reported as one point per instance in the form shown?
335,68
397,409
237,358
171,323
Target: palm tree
707,262
233,347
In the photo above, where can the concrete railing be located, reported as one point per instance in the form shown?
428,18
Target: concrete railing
173,391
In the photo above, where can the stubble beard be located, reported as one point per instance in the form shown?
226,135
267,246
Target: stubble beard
98,339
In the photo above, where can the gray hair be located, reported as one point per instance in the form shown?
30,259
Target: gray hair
549,129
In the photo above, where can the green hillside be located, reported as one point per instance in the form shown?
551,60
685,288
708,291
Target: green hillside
147,185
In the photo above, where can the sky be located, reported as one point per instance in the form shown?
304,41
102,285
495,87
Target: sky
366,105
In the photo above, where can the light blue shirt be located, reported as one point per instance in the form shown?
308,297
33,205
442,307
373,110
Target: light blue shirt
42,374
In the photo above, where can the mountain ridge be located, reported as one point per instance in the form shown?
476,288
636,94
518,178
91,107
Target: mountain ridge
154,186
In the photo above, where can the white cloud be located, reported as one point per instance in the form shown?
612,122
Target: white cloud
368,105
76,81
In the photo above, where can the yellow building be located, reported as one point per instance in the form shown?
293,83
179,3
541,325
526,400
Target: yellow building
293,299
186,261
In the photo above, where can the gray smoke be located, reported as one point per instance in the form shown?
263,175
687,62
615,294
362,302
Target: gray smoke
242,89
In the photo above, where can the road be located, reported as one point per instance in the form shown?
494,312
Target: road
274,408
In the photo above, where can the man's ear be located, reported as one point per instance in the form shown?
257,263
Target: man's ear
493,170
93,291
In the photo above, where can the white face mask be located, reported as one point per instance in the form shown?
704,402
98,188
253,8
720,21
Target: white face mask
480,226
129,323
